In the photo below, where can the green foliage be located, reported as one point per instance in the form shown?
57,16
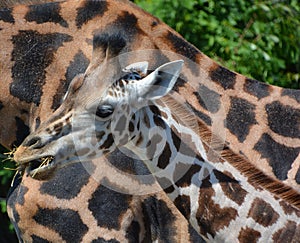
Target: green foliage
260,39
6,174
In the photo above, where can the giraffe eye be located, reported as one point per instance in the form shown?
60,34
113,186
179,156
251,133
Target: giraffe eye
103,111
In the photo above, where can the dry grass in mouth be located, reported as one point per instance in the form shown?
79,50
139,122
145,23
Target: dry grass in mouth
10,155
44,162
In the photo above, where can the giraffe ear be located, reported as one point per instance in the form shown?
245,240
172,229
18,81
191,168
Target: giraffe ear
139,67
160,82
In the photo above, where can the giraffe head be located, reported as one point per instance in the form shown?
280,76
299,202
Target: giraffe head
100,111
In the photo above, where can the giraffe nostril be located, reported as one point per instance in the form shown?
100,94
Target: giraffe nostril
34,142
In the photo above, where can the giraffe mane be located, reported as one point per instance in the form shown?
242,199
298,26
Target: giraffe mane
212,143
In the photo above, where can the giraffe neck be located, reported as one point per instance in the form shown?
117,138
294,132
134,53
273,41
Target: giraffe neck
215,197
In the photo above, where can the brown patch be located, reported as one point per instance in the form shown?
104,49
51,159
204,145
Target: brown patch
164,158
131,127
223,77
231,187
183,174
240,118
290,233
159,122
248,235
256,88
263,213
210,216
107,143
183,203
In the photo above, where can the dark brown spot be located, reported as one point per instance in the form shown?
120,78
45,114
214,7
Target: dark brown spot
284,119
33,53
90,10
240,118
110,44
108,142
231,188
263,213
223,77
183,203
131,127
127,24
181,46
108,206
256,88
159,122
78,65
161,225
68,181
74,229
6,15
176,140
275,154
133,232
210,216
248,235
43,13
164,158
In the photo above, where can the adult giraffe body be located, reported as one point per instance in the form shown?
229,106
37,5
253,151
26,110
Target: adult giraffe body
42,51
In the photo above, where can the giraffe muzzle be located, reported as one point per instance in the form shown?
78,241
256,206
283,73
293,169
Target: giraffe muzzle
32,165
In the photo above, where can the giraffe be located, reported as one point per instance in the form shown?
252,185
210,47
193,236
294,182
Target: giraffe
217,197
268,138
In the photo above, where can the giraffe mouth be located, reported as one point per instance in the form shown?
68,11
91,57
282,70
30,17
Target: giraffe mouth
41,165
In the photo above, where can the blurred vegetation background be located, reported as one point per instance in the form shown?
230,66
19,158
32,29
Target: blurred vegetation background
260,39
